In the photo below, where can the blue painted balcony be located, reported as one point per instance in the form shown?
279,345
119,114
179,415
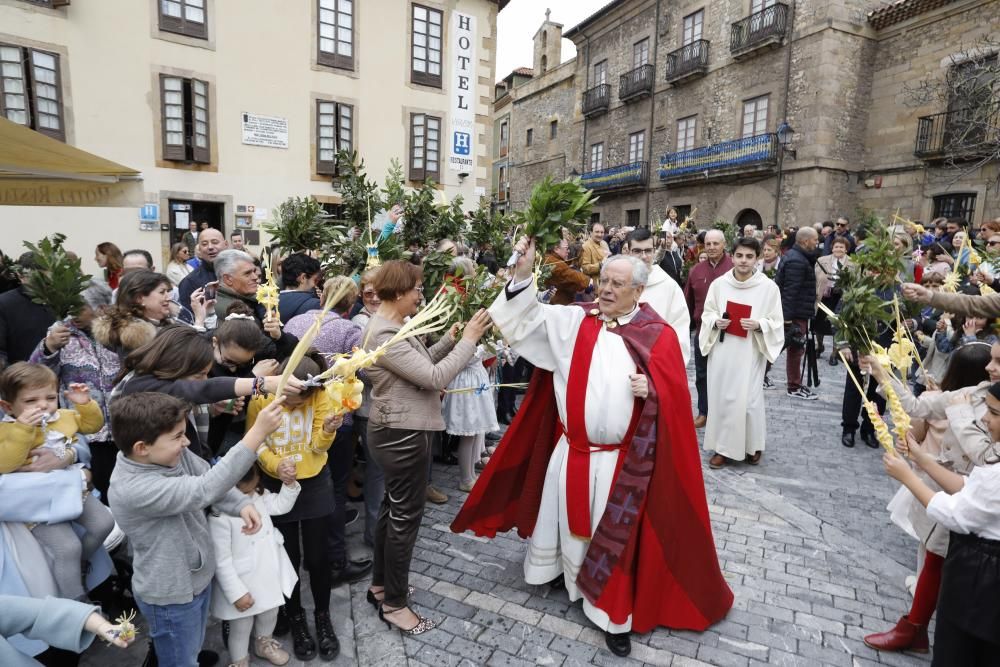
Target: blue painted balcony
623,176
727,159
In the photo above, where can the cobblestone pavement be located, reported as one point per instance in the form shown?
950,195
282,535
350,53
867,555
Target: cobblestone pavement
803,538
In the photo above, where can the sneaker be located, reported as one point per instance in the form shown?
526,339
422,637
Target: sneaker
768,384
435,496
802,393
270,650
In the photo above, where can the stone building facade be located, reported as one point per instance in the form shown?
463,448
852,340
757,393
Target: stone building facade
680,104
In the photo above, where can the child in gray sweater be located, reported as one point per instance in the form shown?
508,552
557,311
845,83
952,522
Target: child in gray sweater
159,493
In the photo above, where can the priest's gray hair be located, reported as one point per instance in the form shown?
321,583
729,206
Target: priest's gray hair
226,261
640,272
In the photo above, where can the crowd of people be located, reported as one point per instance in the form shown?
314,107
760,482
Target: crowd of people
166,445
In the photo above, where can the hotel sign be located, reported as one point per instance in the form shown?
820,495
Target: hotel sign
463,98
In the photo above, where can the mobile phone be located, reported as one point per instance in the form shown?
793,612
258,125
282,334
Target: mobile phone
211,290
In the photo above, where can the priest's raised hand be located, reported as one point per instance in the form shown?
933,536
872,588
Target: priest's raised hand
526,262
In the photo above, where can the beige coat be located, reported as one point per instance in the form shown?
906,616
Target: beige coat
408,379
591,256
824,269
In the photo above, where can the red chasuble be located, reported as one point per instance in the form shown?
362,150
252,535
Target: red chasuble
652,554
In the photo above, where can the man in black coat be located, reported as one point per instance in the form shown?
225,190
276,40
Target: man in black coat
672,262
22,321
796,279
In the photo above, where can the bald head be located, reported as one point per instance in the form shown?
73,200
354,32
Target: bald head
807,238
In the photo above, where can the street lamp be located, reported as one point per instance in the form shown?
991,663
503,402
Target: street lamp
785,133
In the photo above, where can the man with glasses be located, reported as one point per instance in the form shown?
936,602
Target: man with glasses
662,292
842,230
609,380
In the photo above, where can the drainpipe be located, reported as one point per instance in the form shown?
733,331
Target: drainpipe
652,107
586,82
784,111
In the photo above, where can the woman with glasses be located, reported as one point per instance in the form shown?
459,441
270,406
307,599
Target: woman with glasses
405,413
177,267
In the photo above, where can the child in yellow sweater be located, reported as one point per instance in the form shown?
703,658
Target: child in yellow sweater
307,431
30,394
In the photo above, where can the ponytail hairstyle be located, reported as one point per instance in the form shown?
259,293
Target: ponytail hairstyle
240,328
313,363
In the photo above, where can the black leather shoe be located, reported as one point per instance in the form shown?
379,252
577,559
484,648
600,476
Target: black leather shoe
303,645
847,439
281,625
350,572
207,658
329,645
620,645
870,439
833,360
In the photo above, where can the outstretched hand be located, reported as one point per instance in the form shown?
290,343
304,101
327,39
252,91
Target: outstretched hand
915,292
526,262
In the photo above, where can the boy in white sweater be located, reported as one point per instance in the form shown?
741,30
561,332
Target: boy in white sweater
159,493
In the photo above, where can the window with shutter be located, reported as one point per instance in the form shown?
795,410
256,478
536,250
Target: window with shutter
184,114
425,147
336,34
334,133
425,54
184,17
31,89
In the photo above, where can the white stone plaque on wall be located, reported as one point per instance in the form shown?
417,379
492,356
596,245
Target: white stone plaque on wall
269,131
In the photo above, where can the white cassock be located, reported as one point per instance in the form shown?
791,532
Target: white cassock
665,296
736,425
545,335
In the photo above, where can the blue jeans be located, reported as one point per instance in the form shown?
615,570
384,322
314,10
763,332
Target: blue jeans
178,630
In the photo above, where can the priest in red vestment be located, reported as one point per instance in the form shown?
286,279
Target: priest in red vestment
605,485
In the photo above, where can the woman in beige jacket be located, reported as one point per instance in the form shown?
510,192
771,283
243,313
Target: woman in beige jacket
405,412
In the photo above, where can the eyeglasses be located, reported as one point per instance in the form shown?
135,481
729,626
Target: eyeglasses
639,252
369,293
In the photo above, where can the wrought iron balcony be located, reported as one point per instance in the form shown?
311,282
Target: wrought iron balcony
635,84
965,133
596,100
634,174
729,158
688,61
760,29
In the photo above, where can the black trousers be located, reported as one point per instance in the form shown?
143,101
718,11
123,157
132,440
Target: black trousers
953,646
314,549
102,463
340,459
853,408
404,456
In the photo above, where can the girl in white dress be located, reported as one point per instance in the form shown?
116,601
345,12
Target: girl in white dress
253,574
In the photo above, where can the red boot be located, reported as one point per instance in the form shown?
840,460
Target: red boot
904,637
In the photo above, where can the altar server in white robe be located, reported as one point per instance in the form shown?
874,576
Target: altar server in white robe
662,292
546,336
742,329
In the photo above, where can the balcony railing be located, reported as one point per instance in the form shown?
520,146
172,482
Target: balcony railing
727,158
596,100
960,133
687,61
763,28
622,176
636,83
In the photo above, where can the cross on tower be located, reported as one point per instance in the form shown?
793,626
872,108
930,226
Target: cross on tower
547,13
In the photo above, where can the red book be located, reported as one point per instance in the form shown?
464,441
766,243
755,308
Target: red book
736,312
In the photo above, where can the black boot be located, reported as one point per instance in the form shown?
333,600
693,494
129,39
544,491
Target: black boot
847,439
620,645
869,439
350,571
303,644
329,646
281,625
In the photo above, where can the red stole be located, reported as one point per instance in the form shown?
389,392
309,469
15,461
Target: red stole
580,446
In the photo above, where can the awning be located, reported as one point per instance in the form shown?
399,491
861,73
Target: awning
36,170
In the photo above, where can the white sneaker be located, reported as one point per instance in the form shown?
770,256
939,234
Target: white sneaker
802,393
